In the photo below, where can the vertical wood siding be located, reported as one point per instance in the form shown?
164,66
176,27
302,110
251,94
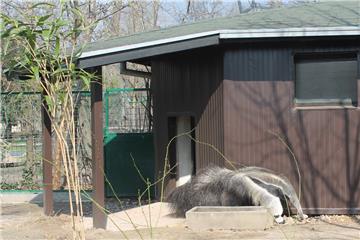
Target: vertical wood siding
189,85
258,105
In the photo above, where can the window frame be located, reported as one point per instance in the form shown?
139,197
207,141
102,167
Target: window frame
325,103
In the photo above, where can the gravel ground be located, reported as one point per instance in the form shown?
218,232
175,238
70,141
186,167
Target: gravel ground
331,219
111,204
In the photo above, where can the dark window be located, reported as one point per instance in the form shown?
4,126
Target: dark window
326,79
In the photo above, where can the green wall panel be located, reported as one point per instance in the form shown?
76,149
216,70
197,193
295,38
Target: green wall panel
119,166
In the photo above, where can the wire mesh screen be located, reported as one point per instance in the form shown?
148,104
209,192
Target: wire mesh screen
125,111
20,141
82,115
128,111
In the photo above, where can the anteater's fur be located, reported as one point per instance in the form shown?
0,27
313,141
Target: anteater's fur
248,186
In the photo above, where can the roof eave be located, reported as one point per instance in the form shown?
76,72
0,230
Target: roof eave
290,32
143,51
169,45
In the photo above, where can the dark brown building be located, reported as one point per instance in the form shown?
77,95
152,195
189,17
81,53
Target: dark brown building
277,89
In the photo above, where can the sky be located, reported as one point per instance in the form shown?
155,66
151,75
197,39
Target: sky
166,17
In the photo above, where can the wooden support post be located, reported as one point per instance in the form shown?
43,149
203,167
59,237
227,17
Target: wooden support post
47,158
99,217
358,86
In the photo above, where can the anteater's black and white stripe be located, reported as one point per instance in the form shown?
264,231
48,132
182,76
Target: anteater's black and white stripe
250,186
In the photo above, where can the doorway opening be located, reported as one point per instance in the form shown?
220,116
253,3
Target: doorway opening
182,150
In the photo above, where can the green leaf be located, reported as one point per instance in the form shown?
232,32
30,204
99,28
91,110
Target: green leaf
42,4
57,46
61,96
48,101
35,71
42,19
60,70
46,34
18,31
61,23
86,80
7,32
5,47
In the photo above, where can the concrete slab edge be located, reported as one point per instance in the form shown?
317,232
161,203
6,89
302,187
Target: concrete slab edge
17,197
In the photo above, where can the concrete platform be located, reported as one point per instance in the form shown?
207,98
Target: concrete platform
236,218
15,197
155,215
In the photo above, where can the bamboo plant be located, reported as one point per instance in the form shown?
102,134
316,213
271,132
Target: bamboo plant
42,49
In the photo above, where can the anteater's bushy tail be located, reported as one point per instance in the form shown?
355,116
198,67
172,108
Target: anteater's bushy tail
179,199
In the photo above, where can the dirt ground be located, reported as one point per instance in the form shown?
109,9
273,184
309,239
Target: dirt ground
26,221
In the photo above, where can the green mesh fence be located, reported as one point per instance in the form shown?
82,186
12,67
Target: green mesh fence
128,141
128,111
125,111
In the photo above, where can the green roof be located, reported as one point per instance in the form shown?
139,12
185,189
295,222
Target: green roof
325,14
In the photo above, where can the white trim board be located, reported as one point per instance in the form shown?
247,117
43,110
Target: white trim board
234,34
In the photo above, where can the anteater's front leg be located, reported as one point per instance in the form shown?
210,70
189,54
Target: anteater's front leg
244,187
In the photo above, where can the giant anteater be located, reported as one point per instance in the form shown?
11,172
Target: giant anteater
248,186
